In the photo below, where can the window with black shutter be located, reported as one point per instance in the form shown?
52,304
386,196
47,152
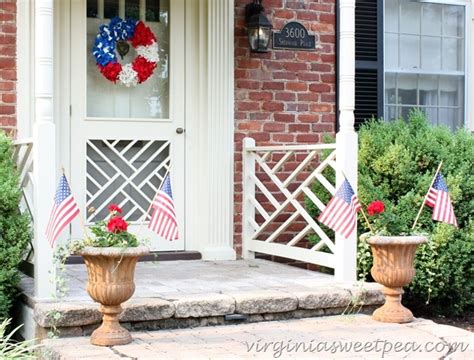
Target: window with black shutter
368,60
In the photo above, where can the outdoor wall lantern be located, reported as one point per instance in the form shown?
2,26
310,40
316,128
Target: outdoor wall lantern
259,28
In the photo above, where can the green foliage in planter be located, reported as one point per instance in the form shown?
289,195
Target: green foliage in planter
397,161
14,228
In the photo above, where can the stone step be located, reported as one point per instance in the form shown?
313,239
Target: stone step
80,318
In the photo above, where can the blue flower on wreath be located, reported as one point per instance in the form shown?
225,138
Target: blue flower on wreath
108,35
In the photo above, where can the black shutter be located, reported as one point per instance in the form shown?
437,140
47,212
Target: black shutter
369,60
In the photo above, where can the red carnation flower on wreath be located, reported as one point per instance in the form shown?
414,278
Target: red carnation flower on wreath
143,36
115,207
111,71
375,207
117,225
143,67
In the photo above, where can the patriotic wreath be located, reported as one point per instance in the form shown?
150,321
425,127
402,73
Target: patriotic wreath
115,36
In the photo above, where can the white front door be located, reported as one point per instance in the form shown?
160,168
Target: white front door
124,140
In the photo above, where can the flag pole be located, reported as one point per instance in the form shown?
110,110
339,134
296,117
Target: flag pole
81,219
361,208
426,195
151,203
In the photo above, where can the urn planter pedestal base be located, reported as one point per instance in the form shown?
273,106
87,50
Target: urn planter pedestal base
110,283
393,268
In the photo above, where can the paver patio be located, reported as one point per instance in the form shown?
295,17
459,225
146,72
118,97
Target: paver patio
378,340
179,294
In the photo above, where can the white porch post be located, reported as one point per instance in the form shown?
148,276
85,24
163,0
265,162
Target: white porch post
220,130
248,212
346,138
44,150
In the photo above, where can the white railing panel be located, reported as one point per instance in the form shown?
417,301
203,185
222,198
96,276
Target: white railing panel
281,177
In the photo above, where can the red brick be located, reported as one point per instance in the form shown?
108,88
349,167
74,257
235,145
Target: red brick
308,76
297,86
273,85
307,15
327,18
8,74
284,75
248,64
8,50
309,56
6,17
321,107
274,127
8,7
321,67
7,39
308,118
319,87
247,84
307,138
308,97
323,128
272,106
284,117
295,66
285,96
283,13
7,86
7,110
247,105
260,95
250,125
9,98
283,138
299,128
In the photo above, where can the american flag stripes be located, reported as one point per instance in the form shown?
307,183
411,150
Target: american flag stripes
64,210
438,199
340,212
163,220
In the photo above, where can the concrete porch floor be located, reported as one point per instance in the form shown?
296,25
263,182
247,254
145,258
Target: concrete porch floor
178,294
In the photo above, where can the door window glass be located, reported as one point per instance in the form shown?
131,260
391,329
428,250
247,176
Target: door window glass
149,99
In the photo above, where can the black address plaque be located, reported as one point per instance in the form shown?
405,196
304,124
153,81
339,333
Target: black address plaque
294,36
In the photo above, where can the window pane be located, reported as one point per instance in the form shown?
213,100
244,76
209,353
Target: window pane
409,51
448,117
391,51
111,9
132,9
390,113
432,115
153,10
407,89
453,24
149,99
391,15
449,89
431,53
428,85
404,111
390,85
92,8
431,19
453,54
410,17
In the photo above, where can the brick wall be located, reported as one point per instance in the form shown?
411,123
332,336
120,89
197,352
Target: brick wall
8,65
283,96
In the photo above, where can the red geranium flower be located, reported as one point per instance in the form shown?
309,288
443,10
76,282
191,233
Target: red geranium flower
143,67
111,71
375,207
115,207
117,225
143,35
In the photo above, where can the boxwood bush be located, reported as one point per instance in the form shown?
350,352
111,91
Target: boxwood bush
397,161
14,228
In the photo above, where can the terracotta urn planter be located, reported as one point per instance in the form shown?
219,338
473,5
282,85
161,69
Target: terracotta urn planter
393,268
111,282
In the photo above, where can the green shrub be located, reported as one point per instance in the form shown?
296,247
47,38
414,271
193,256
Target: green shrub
397,161
14,228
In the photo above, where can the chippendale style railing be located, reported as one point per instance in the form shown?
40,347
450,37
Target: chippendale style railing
277,193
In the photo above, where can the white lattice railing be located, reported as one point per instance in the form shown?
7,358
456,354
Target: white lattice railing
23,158
277,181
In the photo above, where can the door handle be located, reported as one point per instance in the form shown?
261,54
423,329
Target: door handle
179,130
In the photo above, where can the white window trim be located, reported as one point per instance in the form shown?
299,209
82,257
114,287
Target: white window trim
468,60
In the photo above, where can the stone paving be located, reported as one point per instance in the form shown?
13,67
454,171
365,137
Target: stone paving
197,293
334,337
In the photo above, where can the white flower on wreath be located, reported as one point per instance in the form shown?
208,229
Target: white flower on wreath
128,76
149,52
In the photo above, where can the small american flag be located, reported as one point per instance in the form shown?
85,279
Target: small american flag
163,220
64,210
340,212
438,199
